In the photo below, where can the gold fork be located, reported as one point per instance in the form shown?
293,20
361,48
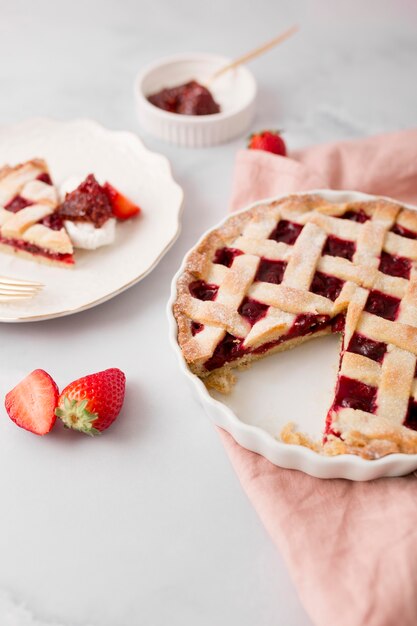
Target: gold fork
16,289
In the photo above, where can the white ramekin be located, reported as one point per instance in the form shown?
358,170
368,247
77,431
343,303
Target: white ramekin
235,91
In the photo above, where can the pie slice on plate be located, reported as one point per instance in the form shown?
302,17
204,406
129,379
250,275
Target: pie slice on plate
279,274
29,224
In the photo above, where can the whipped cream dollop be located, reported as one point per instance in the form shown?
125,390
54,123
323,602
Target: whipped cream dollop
84,235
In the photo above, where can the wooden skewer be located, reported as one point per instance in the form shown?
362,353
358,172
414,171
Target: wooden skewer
248,56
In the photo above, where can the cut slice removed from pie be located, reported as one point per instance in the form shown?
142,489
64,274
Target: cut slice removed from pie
30,226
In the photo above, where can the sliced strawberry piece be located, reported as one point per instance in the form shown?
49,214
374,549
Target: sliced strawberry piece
32,403
122,207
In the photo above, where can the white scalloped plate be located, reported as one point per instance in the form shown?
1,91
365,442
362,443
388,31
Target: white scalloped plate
77,148
289,386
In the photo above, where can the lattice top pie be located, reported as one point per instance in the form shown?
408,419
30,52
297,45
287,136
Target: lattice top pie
29,224
276,275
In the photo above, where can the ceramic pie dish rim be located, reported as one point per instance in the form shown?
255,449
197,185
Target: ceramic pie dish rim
253,438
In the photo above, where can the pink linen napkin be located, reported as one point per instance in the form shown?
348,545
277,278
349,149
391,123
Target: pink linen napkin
351,548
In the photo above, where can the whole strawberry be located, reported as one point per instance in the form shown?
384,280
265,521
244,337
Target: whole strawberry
268,140
92,403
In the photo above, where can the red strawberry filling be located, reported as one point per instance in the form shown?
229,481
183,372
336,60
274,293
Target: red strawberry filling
374,350
339,247
17,203
395,265
356,216
326,286
270,271
287,232
380,304
403,232
225,256
231,348
36,250
88,203
203,291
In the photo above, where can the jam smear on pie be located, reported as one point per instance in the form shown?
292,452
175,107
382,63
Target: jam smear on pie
203,291
326,286
356,216
339,247
188,99
17,203
375,350
229,349
270,271
225,256
380,304
353,394
196,327
395,265
411,417
404,232
252,310
287,232
88,203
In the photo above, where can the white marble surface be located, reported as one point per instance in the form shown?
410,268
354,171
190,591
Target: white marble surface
148,525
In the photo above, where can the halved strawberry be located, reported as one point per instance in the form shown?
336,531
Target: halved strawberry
122,207
92,403
32,403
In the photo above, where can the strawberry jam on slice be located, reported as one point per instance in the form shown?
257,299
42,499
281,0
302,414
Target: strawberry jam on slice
339,247
375,350
326,286
53,221
17,203
225,256
196,327
287,232
252,310
270,271
356,216
229,349
411,417
307,323
395,265
380,304
353,394
203,291
403,232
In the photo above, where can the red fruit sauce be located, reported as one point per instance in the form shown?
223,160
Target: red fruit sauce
286,232
339,247
88,203
380,304
188,99
225,256
30,247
